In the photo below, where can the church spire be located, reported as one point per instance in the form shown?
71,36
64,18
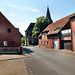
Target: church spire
48,15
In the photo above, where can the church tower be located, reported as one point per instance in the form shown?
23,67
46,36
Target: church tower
48,15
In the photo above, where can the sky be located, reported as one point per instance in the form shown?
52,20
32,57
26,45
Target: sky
23,12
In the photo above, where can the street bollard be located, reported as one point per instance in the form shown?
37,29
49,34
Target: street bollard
20,50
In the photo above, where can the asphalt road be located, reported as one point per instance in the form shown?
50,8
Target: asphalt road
44,61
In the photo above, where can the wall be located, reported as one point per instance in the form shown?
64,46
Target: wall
65,38
72,21
44,38
50,39
13,38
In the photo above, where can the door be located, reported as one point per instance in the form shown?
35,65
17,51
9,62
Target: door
66,44
55,44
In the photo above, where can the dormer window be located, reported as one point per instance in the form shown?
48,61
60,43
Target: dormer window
48,32
58,28
45,34
42,35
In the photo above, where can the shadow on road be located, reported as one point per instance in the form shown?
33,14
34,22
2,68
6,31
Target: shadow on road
27,51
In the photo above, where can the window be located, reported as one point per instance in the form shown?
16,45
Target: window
5,43
44,42
66,32
48,32
42,35
9,30
47,42
58,28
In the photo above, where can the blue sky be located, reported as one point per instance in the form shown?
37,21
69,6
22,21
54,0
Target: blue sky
22,12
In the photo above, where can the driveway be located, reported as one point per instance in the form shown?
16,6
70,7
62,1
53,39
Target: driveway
44,61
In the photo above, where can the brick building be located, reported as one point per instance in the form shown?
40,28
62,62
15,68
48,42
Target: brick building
10,37
28,35
60,34
29,40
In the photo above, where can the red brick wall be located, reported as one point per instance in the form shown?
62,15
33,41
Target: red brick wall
13,38
50,40
44,39
73,32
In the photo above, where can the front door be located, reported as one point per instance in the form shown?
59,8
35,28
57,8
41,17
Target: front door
55,44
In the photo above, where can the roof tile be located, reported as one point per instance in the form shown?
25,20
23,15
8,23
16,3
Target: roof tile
56,24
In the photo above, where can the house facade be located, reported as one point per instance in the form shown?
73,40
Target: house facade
10,37
60,34
28,35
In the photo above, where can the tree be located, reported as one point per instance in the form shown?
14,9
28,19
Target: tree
41,23
22,40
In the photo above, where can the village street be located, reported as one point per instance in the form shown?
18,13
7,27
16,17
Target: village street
38,61
44,61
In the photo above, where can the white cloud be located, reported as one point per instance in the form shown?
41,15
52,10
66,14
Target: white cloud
17,7
12,5
33,10
9,4
12,14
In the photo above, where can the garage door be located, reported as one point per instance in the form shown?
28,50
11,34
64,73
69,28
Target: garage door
66,44
55,44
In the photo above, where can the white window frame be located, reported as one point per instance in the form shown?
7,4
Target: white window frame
5,43
44,42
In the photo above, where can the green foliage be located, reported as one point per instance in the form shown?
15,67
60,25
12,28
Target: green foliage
41,23
22,40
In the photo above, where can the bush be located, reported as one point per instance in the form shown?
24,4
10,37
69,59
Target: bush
22,41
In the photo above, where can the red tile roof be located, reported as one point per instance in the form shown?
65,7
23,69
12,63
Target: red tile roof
39,35
56,24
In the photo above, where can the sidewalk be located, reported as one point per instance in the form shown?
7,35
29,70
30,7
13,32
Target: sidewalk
65,51
13,67
13,64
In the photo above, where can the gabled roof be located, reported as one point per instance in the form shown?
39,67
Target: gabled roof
30,26
3,18
29,29
56,24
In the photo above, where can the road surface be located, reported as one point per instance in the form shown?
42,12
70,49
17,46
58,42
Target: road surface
44,61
